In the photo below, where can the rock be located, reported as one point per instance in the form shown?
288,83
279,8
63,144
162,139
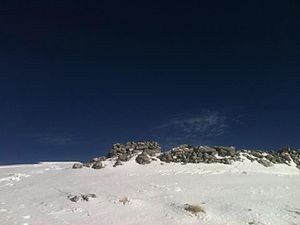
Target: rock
225,151
270,158
98,165
143,159
206,149
77,166
87,197
257,154
250,158
118,163
74,198
101,158
124,157
264,162
125,152
226,161
147,151
152,152
285,156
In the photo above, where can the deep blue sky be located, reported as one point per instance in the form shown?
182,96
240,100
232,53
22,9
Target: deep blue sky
78,76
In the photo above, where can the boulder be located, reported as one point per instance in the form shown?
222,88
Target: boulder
257,154
118,163
87,197
73,198
225,151
143,158
98,165
125,152
226,161
264,162
77,166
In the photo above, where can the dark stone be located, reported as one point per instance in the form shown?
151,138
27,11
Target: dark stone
225,151
77,166
257,154
264,162
87,197
117,163
143,159
226,161
97,165
74,198
124,157
250,158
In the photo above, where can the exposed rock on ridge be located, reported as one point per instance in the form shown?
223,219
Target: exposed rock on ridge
146,151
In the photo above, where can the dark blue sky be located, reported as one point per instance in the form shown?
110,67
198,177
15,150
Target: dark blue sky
78,77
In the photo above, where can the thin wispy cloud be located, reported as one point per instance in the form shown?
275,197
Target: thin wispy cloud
193,128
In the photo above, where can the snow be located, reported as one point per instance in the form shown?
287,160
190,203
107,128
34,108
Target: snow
239,194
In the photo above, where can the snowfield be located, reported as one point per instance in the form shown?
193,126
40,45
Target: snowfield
239,194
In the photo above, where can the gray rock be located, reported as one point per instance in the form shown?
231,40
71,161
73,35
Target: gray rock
118,163
125,152
74,198
226,161
152,152
264,162
98,165
101,158
257,154
225,151
250,158
87,197
143,159
124,157
77,166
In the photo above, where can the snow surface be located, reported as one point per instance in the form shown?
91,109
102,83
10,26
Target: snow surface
239,194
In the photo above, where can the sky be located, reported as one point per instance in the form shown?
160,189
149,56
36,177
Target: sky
78,76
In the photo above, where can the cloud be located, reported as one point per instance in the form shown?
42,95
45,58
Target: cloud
193,128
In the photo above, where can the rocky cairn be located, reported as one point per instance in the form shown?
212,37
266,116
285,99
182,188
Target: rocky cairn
144,151
201,154
227,155
147,151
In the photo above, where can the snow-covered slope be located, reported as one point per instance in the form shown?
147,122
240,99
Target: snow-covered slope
239,194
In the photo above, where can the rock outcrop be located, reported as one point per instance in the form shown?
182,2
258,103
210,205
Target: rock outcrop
201,154
124,152
146,151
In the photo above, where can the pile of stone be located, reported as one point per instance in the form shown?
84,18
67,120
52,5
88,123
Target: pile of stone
226,155
144,149
147,151
283,156
201,154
